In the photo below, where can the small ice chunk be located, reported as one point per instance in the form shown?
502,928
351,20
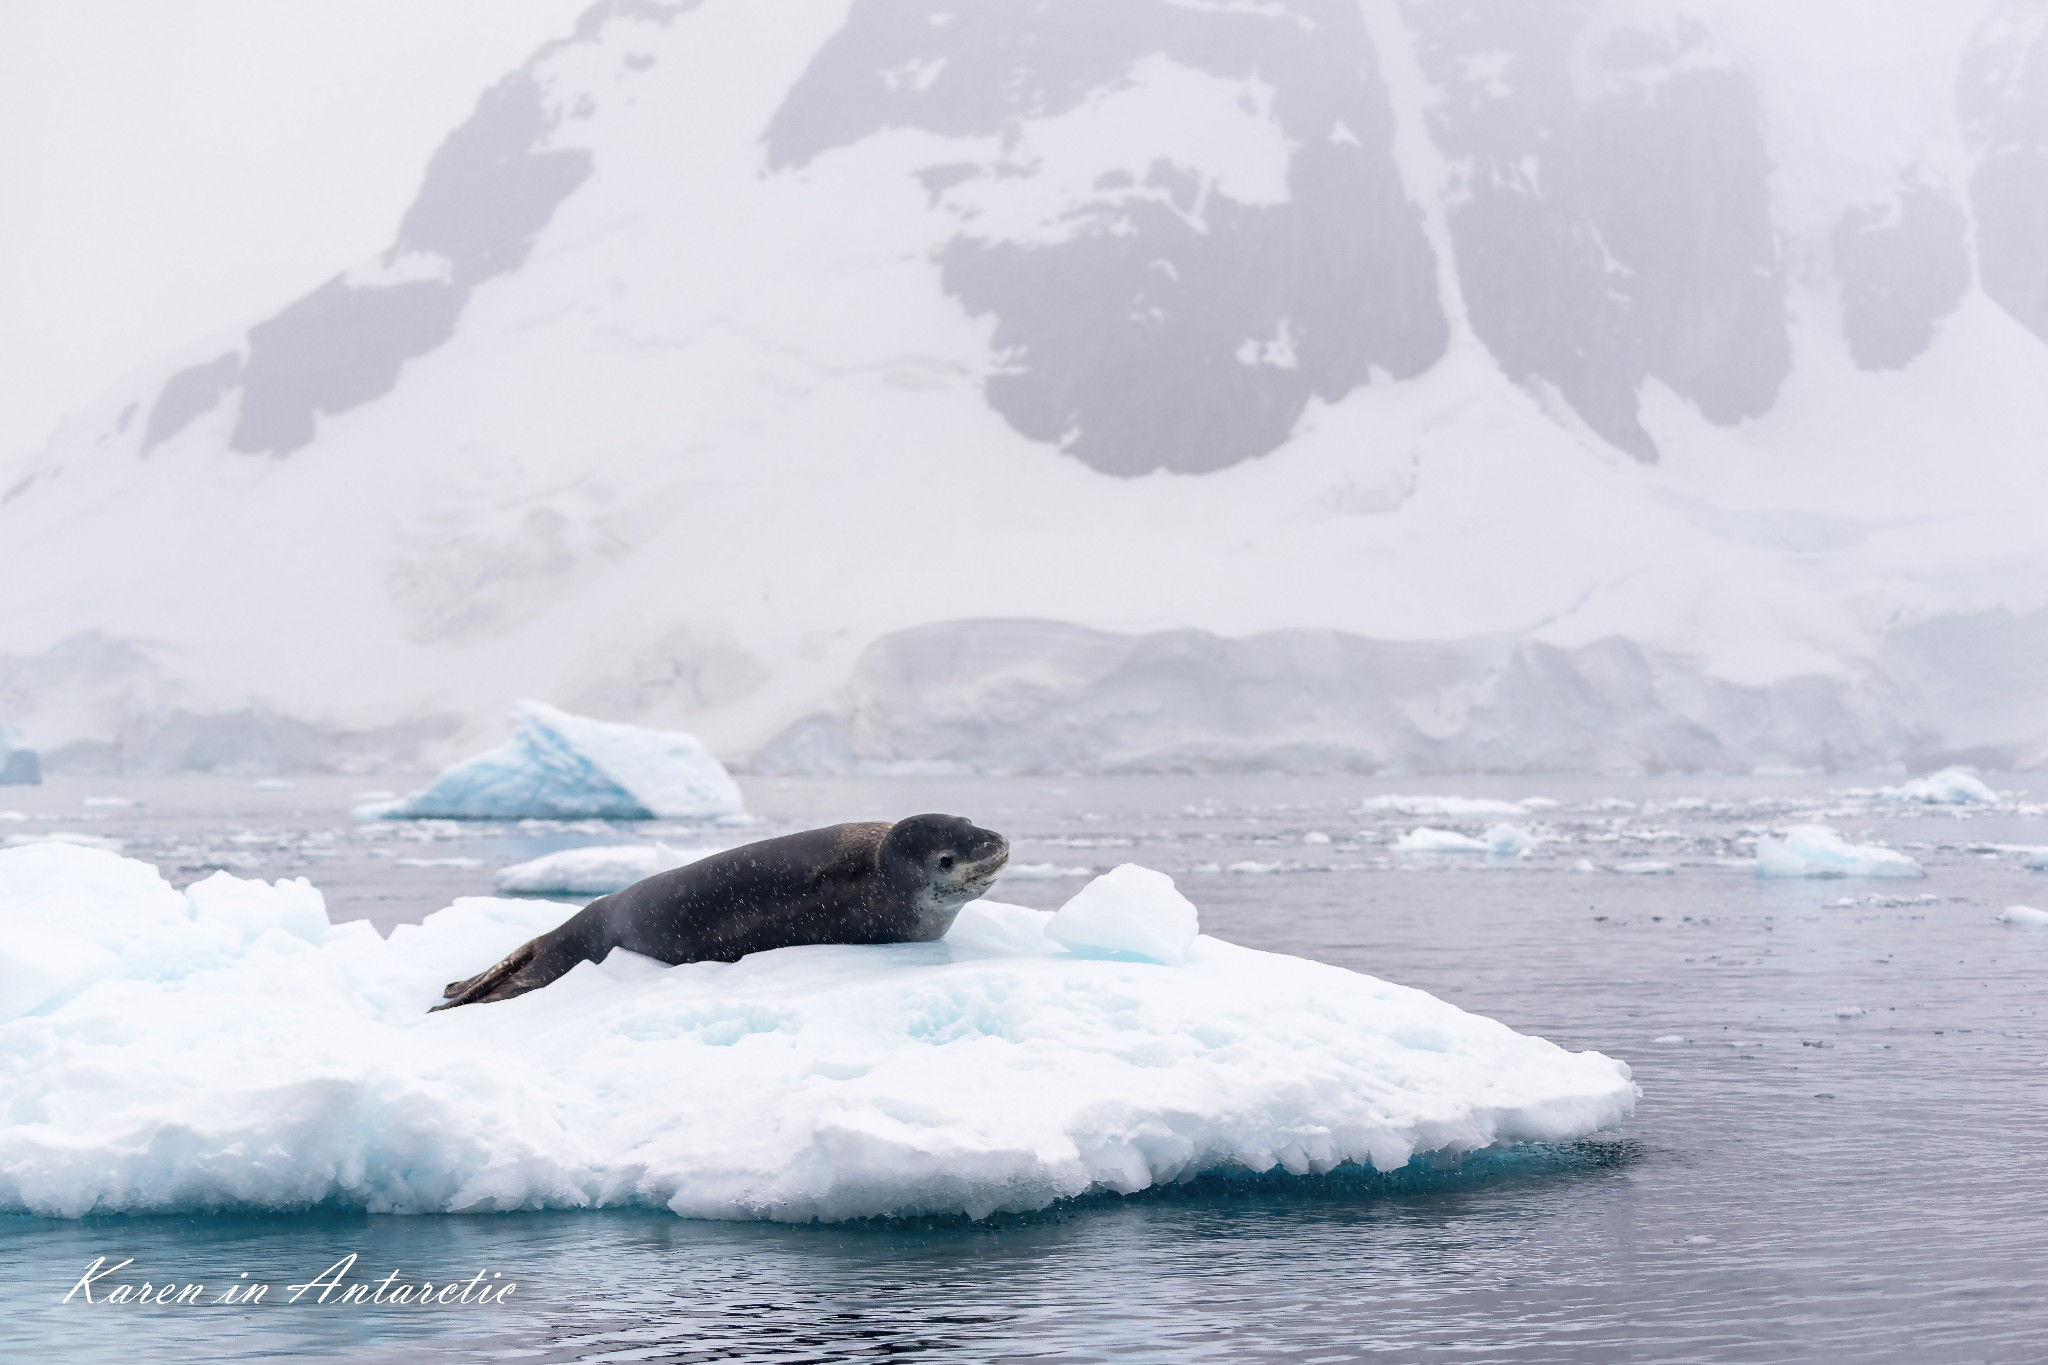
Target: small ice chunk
1127,910
2023,917
109,802
274,784
1848,1011
595,871
2037,859
1584,865
1252,868
1315,836
1672,1038
437,862
1508,841
1644,867
1427,839
1949,787
563,767
1818,851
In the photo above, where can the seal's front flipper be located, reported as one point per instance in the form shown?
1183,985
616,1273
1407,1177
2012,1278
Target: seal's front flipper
479,987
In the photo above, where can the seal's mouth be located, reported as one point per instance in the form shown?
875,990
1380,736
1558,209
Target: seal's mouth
981,871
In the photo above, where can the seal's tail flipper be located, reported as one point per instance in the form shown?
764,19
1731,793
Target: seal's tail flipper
492,984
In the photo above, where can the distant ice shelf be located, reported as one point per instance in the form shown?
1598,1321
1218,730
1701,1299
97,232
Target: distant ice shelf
226,1047
1817,851
564,767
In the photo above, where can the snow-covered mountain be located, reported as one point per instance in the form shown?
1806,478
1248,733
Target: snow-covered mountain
1121,384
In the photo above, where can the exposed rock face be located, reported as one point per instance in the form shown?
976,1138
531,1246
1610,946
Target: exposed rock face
1181,317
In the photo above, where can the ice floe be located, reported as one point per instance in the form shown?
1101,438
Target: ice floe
595,871
1446,807
226,1048
1949,787
2023,917
1502,841
562,767
1817,851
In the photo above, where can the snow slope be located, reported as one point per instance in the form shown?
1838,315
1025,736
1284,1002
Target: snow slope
1118,384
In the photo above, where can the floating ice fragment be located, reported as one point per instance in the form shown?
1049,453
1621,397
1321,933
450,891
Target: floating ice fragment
1672,1038
274,784
1508,841
1848,1011
437,862
1131,910
2023,917
1315,836
988,1071
596,871
109,802
1817,851
1949,787
1425,839
2037,859
1250,868
563,767
1644,867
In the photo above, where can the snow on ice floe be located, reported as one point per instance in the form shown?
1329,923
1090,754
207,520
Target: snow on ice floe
227,1048
595,871
2022,917
1817,851
1949,787
562,767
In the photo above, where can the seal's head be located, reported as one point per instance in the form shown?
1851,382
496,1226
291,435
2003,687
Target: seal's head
941,862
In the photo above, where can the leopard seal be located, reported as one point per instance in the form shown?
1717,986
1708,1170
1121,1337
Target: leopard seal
872,882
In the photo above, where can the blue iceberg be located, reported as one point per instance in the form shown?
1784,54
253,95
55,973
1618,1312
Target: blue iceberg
19,765
562,767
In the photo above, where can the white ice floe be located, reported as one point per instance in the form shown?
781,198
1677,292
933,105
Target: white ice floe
1426,839
1502,841
597,871
226,1048
1508,841
1446,807
1644,867
1817,851
2023,917
1949,787
562,767
1315,836
2037,859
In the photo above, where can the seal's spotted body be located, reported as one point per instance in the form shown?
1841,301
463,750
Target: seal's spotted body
859,883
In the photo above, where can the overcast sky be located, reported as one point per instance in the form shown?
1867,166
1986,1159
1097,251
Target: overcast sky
172,169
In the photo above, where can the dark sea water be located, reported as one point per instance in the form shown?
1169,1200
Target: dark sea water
1800,1182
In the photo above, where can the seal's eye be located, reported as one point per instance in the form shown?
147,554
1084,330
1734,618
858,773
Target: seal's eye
946,862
